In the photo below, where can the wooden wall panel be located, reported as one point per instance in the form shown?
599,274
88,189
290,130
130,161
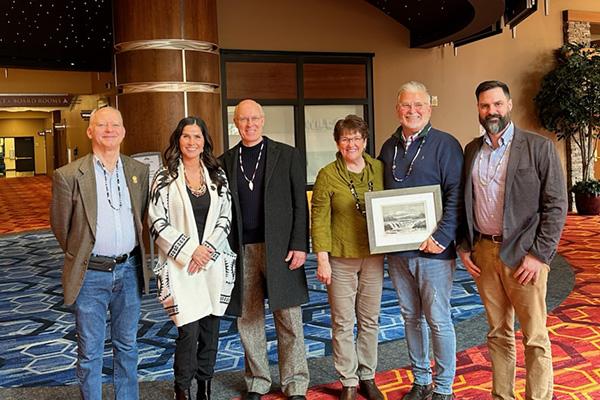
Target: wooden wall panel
208,107
200,20
137,20
202,67
261,80
335,81
149,119
149,66
583,16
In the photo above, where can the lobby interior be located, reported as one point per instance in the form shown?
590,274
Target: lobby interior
309,63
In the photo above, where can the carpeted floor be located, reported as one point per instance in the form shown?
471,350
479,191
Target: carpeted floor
24,203
37,335
574,325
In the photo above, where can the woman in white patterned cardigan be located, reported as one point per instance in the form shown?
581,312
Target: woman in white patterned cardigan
190,219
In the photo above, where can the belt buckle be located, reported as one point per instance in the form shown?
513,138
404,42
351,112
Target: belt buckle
121,259
495,240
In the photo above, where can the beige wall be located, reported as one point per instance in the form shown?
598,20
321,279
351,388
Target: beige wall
77,139
27,124
24,81
356,26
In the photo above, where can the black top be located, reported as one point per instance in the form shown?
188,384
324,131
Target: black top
252,201
200,207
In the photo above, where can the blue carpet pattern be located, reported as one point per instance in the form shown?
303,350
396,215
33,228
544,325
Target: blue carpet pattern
37,331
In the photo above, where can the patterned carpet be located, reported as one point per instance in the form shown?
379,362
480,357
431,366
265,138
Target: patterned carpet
574,331
37,336
36,330
24,203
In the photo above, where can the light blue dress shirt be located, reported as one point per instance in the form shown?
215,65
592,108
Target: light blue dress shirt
115,228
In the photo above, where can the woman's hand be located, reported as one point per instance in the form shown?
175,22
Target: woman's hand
200,258
323,267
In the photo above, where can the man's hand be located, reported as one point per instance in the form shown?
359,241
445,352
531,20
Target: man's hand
297,258
529,270
323,267
465,257
430,246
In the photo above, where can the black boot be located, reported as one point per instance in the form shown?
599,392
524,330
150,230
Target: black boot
203,390
181,394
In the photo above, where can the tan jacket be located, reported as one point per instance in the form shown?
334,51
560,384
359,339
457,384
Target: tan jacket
73,214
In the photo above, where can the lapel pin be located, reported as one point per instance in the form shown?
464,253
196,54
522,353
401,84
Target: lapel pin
134,179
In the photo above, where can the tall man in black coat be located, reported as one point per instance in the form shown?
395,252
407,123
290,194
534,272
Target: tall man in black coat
516,204
268,186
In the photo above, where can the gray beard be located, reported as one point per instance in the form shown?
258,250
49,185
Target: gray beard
494,128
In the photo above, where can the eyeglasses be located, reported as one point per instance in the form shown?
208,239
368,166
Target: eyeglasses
408,106
245,120
353,139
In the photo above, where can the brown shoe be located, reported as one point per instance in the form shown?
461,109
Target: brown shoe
419,392
370,390
348,393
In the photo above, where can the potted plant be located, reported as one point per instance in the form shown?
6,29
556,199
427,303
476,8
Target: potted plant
568,104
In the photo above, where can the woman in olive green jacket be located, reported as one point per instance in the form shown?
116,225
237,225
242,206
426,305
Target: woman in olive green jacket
353,276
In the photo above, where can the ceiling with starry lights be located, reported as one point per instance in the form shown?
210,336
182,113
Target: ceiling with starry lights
56,34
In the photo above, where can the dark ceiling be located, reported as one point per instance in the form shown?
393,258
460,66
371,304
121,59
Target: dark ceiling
435,22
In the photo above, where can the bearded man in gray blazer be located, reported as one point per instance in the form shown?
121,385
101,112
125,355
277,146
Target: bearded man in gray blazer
98,202
267,180
516,205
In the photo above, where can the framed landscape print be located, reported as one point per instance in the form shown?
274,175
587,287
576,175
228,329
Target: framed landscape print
401,219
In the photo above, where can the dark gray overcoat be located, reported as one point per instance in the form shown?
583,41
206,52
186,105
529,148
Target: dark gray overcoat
286,224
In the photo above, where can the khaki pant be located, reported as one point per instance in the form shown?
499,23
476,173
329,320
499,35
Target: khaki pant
355,295
503,297
293,368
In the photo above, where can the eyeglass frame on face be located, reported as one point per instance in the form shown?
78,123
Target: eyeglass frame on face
354,139
417,106
246,120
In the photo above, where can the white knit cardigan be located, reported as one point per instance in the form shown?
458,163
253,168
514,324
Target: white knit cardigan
185,297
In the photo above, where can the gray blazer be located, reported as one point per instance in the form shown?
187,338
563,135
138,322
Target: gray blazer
535,199
73,213
286,224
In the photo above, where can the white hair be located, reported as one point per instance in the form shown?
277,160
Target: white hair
413,87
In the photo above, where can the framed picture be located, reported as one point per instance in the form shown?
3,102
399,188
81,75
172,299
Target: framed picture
401,219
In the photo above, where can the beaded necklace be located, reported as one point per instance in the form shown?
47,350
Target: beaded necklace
412,163
108,193
355,195
251,180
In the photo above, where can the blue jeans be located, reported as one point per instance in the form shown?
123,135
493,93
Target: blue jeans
118,292
424,286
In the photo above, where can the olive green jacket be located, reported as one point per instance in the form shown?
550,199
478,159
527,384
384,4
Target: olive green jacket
337,227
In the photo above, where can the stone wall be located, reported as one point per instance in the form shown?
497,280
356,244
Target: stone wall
575,32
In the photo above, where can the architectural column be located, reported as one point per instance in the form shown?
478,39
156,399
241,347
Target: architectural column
166,68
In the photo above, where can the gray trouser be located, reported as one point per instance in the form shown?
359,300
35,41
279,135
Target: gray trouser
293,369
355,295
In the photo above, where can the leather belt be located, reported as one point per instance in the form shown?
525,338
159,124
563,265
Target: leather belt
108,264
493,238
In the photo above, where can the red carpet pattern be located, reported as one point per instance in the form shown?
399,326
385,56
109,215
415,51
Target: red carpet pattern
24,204
574,331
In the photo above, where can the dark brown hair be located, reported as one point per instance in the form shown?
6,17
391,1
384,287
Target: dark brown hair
351,123
173,154
488,85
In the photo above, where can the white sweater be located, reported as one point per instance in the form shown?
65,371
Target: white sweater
185,297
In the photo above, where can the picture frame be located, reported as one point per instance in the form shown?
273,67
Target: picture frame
401,219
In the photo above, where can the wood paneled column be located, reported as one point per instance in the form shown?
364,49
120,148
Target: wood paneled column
166,67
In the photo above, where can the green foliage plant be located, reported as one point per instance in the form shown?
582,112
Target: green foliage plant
568,104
